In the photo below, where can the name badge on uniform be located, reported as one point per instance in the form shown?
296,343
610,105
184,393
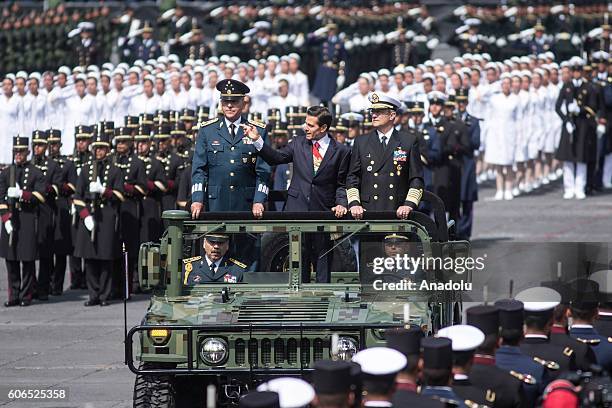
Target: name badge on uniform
229,278
247,140
399,155
197,278
216,143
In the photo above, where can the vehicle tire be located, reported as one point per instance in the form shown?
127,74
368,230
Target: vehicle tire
274,253
153,391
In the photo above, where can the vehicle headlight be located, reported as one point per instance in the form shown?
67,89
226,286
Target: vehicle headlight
159,336
347,348
214,351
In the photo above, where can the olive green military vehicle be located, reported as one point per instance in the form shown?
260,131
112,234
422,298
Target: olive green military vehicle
236,334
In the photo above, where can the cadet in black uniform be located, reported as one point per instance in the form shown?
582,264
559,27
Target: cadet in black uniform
150,220
484,373
332,383
133,177
408,342
45,226
62,240
81,157
99,193
385,172
437,371
22,189
603,323
215,266
171,164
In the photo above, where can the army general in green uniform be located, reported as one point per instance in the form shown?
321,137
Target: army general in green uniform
215,266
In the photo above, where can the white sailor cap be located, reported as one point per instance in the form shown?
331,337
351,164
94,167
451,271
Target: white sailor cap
429,64
473,22
541,56
549,55
604,280
508,62
152,61
189,62
230,65
118,71
352,117
216,11
253,63
213,60
565,64
21,74
108,66
465,70
93,68
430,76
515,73
262,25
380,361
173,58
161,75
77,70
64,70
35,75
505,75
373,75
106,73
10,76
399,69
199,69
463,336
490,65
123,65
442,75
458,60
86,25
163,59
486,56
525,60
273,58
235,60
285,58
148,67
139,63
467,56
436,97
384,71
438,61
516,59
292,392
539,299
383,101
526,73
94,75
366,76
477,58
410,69
81,77
198,62
176,65
136,70
295,56
538,71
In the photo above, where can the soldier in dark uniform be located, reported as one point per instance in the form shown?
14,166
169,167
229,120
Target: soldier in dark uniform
401,51
22,190
509,356
332,61
469,187
46,227
470,41
538,44
332,383
81,158
538,304
465,339
262,46
484,373
215,266
144,47
86,47
385,172
62,240
437,371
196,48
576,105
584,311
429,143
99,193
171,164
227,174
134,184
408,342
150,219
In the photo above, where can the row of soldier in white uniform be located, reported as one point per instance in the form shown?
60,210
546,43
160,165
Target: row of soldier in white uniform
73,97
521,124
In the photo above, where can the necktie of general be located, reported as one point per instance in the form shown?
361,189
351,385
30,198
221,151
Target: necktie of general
213,266
233,130
383,141
316,156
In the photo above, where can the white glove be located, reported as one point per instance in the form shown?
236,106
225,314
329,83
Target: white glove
15,192
340,81
89,222
96,187
78,171
569,126
601,130
72,209
8,225
573,107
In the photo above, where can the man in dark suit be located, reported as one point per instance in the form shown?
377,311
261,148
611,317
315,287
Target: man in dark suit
320,165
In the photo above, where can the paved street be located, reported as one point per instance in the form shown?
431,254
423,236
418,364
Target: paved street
63,344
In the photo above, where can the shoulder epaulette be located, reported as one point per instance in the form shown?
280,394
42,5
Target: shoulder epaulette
592,342
257,123
551,365
472,404
526,378
188,260
568,351
200,125
240,264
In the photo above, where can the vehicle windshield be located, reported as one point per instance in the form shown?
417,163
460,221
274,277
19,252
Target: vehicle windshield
325,257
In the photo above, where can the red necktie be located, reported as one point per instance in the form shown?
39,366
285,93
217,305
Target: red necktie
316,156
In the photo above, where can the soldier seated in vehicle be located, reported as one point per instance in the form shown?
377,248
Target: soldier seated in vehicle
215,266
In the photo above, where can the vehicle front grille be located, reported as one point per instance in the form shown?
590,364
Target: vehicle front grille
280,352
282,310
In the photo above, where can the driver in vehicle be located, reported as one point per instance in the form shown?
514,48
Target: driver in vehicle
215,266
400,244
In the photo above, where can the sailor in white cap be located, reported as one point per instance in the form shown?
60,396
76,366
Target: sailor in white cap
360,102
11,109
81,110
292,392
283,99
147,101
56,102
298,81
34,105
379,367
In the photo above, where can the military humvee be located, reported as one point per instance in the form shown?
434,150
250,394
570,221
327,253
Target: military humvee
235,335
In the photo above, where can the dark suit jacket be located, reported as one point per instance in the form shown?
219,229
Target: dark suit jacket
309,191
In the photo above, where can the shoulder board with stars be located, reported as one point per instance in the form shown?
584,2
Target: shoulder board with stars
189,260
258,124
200,125
526,378
240,264
551,365
592,342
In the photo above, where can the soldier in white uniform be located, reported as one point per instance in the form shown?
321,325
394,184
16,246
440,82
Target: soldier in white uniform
298,81
283,99
81,109
147,101
34,116
10,111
